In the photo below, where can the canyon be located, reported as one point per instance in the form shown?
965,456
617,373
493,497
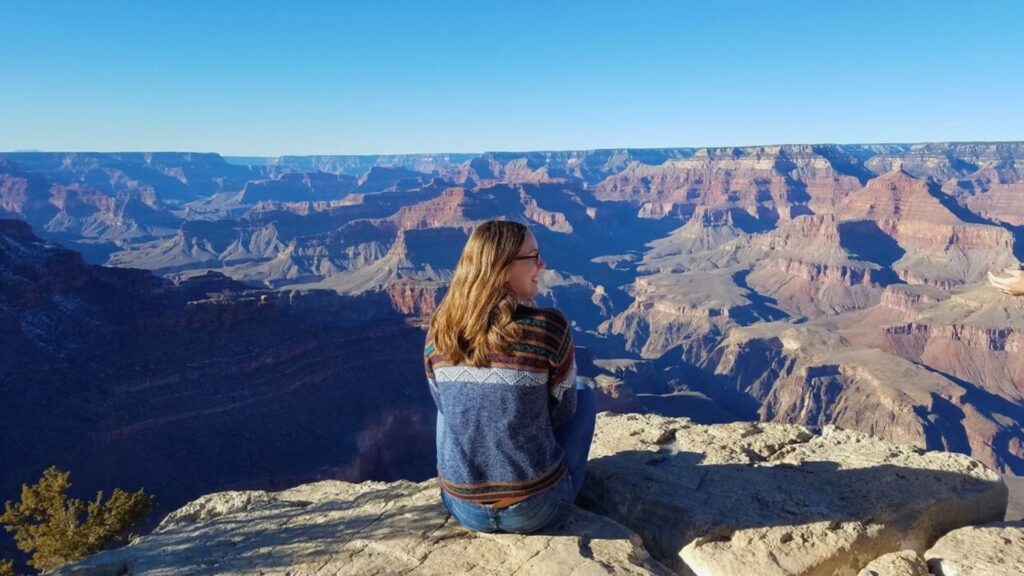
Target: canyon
160,309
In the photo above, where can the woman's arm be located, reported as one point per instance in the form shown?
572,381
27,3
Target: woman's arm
562,382
428,351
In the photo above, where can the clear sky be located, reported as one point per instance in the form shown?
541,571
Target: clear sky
293,77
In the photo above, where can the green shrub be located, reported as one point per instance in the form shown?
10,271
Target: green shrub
50,527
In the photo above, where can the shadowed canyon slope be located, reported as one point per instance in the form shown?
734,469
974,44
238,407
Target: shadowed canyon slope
125,378
810,284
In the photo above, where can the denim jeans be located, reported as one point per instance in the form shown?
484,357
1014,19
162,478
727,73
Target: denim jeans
535,512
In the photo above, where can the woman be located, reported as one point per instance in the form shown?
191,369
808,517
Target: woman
513,426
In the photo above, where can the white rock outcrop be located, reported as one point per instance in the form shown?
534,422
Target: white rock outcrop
335,527
1009,281
902,563
776,499
991,550
662,496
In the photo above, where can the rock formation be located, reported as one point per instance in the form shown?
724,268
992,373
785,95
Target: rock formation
125,378
662,496
987,550
815,284
1009,281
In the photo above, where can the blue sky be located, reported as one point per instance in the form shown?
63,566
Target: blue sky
271,78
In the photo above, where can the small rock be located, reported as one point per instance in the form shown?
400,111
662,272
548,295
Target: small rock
902,563
991,550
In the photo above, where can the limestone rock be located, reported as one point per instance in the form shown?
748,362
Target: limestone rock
990,550
1010,281
662,496
750,498
335,527
902,563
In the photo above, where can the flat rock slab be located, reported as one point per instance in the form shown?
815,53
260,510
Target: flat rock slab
335,527
992,550
775,499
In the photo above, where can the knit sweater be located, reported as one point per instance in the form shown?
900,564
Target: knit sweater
498,446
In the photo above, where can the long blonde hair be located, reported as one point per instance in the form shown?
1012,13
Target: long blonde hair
474,320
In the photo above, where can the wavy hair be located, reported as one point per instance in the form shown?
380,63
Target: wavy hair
474,319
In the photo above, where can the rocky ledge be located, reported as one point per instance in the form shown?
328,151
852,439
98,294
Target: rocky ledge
662,496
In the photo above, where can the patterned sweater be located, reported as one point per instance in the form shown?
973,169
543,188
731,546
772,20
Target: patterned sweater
497,446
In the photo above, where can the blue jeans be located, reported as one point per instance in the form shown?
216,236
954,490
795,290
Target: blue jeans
535,512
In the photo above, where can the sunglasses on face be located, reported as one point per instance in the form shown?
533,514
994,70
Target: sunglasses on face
535,257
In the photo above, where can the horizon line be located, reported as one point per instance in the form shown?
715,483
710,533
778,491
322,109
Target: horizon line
499,151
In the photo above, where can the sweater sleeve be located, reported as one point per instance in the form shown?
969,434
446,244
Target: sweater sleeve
428,351
562,380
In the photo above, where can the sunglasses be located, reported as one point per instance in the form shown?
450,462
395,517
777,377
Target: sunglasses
535,257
